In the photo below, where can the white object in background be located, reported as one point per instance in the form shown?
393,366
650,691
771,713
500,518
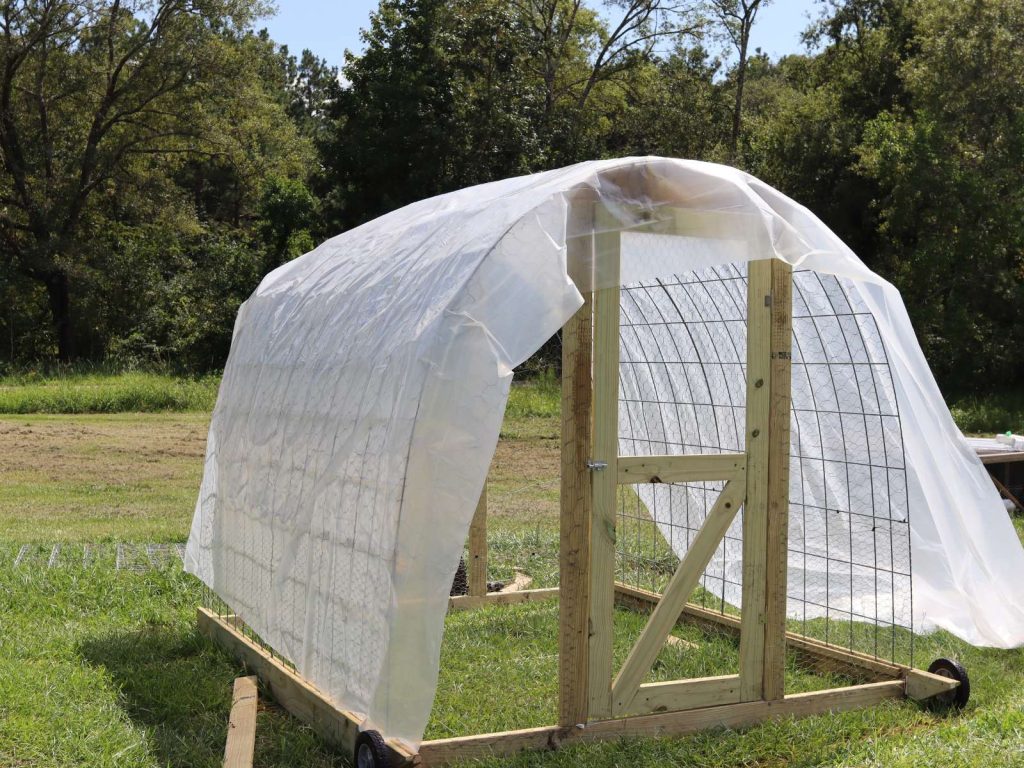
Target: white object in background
1015,442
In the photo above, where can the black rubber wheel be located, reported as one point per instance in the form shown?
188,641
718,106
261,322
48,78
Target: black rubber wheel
371,751
956,698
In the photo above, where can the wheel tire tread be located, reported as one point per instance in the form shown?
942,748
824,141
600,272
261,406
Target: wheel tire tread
955,670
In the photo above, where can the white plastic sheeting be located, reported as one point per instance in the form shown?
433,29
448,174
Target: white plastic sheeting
362,399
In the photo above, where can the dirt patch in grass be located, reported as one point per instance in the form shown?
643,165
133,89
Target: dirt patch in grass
134,477
94,478
523,482
100,449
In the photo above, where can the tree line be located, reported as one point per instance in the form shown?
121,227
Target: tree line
158,157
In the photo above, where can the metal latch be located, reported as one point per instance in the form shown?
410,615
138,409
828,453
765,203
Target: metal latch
597,466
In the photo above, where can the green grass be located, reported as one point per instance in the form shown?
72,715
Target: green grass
126,477
105,668
535,398
499,670
531,403
991,414
90,392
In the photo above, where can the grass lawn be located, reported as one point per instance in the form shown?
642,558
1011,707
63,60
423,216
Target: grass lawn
104,668
88,391
93,478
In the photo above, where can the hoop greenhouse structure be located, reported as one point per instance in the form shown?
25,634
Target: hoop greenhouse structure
752,442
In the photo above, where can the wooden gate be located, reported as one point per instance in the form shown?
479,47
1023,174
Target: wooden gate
756,480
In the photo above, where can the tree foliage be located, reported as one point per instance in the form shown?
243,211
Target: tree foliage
160,156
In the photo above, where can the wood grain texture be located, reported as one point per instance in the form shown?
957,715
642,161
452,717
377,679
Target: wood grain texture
678,695
604,481
241,742
777,527
478,548
575,517
680,469
755,510
447,751
923,685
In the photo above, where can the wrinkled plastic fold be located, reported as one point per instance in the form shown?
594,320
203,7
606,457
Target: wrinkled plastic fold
363,396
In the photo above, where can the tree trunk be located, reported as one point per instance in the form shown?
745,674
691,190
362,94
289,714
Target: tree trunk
58,290
737,113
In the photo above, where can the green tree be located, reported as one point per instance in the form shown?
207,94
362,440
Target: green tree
437,101
116,114
949,163
673,107
87,91
736,19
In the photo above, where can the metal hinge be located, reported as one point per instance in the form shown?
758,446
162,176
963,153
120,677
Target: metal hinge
597,466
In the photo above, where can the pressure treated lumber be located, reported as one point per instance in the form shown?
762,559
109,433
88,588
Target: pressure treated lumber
677,695
241,742
777,511
755,509
575,516
478,548
923,685
604,467
469,602
303,700
680,469
446,751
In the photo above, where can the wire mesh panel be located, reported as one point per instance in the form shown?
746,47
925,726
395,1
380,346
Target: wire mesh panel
683,391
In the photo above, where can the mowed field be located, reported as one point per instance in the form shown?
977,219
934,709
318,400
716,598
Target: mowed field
101,666
94,478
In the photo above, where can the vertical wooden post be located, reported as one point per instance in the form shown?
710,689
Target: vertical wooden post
478,548
766,512
755,509
576,504
604,478
777,552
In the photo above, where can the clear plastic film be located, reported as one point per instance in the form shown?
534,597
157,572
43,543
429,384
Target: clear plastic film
363,396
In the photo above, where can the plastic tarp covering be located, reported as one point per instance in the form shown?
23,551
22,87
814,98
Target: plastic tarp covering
362,399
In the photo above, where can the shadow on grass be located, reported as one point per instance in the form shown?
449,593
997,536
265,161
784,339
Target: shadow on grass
176,686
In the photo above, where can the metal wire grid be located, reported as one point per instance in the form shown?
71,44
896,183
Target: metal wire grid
212,602
682,391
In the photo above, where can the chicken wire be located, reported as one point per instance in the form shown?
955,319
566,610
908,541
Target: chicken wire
683,391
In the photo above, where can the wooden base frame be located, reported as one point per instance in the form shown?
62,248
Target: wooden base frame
340,727
595,703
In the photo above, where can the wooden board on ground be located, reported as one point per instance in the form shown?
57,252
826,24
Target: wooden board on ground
334,724
241,742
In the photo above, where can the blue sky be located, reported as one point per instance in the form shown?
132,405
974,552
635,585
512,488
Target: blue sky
328,27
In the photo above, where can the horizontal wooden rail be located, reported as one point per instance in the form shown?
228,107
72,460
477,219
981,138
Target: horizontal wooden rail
293,692
680,469
678,695
446,751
